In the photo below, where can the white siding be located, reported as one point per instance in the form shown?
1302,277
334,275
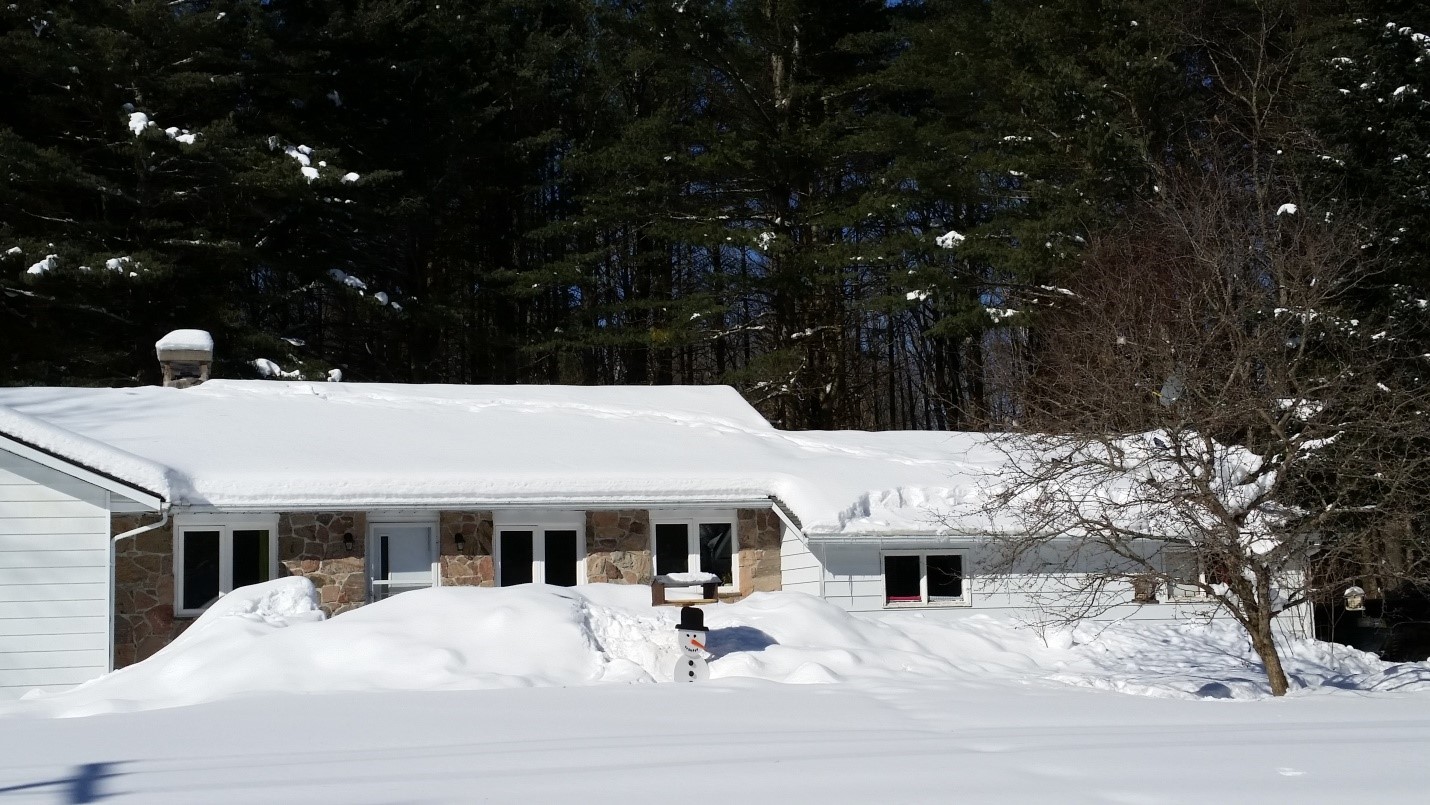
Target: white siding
799,570
853,580
54,578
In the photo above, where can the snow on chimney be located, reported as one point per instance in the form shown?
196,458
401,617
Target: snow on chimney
185,356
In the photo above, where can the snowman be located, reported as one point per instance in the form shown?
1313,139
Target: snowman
691,632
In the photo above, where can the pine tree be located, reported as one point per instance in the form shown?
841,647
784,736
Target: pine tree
151,171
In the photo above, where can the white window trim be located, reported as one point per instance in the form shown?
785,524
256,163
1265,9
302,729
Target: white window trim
692,519
924,602
538,529
225,525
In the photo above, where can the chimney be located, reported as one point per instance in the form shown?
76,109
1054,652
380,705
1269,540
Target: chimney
185,356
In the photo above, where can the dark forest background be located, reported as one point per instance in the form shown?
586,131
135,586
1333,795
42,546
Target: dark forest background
857,212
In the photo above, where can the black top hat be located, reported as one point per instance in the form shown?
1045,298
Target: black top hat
692,619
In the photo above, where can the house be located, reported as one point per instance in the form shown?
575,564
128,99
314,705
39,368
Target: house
124,512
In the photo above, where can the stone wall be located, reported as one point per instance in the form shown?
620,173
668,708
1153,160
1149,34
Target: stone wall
618,547
473,566
144,619
311,544
759,540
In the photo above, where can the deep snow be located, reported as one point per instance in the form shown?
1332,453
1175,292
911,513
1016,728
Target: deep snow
546,695
272,638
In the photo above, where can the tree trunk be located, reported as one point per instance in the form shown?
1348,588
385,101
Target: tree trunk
1264,644
1262,640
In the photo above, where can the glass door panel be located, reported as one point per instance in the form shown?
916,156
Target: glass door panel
716,550
672,548
250,557
515,552
201,568
562,559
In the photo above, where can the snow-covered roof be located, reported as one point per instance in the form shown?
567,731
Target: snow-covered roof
83,453
236,444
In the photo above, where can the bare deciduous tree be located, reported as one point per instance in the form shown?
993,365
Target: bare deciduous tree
1210,418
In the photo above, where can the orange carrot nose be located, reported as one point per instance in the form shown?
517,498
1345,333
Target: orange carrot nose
697,644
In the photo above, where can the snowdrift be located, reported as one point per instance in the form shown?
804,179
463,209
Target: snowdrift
272,637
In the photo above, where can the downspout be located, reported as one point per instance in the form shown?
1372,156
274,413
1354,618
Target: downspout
113,568
789,523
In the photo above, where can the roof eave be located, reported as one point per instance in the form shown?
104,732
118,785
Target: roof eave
588,503
77,469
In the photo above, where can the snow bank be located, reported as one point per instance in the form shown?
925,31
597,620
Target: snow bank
1214,660
272,638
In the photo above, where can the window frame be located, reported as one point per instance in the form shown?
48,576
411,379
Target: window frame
538,526
225,526
966,600
693,519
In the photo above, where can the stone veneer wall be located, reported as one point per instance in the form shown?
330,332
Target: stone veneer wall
311,544
144,619
759,540
618,547
474,566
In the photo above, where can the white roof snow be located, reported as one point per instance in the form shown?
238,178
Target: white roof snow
144,475
232,444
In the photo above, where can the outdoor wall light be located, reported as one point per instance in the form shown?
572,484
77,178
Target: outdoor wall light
1355,599
348,543
461,542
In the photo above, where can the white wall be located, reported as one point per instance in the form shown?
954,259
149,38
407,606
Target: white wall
54,571
799,570
852,579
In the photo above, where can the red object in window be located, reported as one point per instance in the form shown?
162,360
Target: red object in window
905,599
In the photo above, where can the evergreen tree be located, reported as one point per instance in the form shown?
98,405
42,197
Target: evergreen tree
148,168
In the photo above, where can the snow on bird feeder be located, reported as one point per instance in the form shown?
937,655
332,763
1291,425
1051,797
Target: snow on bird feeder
709,585
691,632
1355,599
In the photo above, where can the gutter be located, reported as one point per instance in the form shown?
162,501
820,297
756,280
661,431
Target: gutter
824,538
608,504
113,561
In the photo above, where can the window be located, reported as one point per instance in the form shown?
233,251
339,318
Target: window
211,559
913,578
702,542
548,554
1185,575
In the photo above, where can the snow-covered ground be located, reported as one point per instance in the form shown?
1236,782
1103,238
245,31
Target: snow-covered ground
539,694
